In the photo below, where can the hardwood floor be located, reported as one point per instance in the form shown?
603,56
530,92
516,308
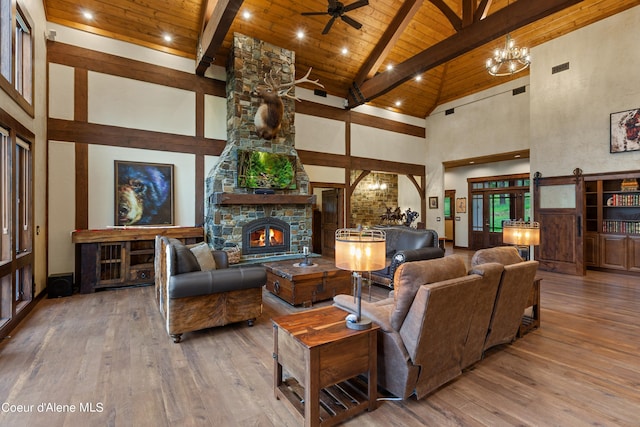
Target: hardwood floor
108,352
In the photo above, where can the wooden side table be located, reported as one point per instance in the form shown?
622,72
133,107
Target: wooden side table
324,359
531,322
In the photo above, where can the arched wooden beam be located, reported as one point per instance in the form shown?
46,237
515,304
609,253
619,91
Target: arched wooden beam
360,177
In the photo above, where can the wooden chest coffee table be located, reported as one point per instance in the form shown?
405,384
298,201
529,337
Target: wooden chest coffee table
306,285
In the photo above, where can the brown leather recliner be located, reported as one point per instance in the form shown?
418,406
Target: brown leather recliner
515,285
191,299
424,326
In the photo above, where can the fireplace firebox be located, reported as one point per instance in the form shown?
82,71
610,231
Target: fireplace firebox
265,235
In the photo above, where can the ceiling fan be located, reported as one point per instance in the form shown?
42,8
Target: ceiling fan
336,10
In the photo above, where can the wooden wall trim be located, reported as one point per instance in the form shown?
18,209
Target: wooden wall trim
90,133
81,95
362,163
82,186
334,113
99,62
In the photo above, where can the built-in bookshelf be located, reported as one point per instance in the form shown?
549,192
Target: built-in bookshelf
612,221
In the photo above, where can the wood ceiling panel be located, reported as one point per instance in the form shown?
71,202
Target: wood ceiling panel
144,22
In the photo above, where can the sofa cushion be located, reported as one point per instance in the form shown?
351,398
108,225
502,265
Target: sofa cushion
410,276
203,254
199,283
413,240
186,261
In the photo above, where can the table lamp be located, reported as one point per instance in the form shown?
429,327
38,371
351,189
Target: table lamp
522,234
360,250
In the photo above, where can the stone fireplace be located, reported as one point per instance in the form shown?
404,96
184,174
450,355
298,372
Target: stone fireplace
237,216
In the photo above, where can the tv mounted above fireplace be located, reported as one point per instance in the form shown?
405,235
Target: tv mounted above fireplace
262,169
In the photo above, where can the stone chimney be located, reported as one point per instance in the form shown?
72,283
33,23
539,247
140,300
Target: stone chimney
228,208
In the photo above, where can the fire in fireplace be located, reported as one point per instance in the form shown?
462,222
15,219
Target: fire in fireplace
265,235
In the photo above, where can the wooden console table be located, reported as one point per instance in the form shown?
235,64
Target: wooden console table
531,322
114,257
324,358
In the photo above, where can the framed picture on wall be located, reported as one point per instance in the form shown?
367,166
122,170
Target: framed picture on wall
461,205
625,131
143,193
433,203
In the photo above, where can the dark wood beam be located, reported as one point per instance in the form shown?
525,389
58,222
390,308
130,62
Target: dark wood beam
468,10
455,20
510,18
391,35
214,32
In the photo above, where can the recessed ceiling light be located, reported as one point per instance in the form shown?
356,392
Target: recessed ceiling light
167,38
398,103
471,162
418,78
517,156
345,50
389,67
246,14
87,15
300,34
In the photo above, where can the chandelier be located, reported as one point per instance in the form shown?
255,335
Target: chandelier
509,60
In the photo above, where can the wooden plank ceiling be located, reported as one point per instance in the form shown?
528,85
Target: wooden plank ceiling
446,42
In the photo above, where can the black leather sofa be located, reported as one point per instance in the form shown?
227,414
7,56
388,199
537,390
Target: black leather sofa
405,244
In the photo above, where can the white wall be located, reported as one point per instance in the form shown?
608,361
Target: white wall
62,206
489,122
570,110
456,179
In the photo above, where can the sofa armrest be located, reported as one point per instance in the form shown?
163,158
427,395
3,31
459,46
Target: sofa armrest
408,255
377,312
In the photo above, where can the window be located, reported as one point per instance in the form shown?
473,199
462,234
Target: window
16,54
5,39
24,59
16,226
5,198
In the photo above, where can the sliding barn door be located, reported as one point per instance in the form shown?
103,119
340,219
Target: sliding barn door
558,208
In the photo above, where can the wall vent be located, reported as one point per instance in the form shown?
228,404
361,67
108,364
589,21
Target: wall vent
519,90
560,68
320,92
449,111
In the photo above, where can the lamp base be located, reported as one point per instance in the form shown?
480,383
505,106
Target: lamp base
360,325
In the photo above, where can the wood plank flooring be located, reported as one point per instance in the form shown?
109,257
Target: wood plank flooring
106,360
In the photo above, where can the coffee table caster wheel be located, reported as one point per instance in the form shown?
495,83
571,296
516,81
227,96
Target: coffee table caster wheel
250,322
176,338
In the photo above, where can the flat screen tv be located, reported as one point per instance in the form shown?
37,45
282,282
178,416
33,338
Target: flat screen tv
261,169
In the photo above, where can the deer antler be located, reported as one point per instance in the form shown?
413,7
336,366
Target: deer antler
305,79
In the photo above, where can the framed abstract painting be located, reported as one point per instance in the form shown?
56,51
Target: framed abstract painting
625,131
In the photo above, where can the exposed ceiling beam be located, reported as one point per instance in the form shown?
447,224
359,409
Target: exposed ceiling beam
391,35
455,20
468,9
510,18
214,32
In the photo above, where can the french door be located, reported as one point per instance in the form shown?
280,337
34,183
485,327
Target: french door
494,201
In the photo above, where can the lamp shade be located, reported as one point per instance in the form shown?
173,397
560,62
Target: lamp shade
521,233
360,250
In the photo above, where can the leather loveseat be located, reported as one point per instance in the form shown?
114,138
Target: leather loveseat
404,244
191,296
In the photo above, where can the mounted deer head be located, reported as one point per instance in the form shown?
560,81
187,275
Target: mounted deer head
268,119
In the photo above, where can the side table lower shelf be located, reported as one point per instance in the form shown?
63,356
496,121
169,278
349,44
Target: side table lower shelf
531,321
339,401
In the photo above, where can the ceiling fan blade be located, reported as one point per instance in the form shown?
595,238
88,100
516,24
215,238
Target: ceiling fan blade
328,26
356,5
355,24
313,13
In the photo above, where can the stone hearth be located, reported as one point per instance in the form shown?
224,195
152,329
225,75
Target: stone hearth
229,208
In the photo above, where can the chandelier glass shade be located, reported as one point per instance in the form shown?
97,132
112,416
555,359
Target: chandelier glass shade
508,60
